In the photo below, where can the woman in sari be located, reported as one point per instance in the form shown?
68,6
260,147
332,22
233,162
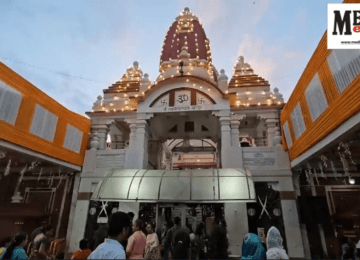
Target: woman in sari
41,243
152,247
252,248
274,244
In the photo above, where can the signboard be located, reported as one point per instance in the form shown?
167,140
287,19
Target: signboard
259,159
343,26
110,160
188,108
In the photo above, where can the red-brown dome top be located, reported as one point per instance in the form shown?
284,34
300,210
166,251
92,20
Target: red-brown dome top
186,31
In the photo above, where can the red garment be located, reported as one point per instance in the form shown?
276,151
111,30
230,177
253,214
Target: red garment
81,254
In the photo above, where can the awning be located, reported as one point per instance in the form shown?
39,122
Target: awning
201,186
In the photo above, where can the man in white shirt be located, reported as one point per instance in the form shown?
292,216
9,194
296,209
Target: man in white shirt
119,228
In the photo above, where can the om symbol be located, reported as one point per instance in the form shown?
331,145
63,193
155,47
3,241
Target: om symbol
183,98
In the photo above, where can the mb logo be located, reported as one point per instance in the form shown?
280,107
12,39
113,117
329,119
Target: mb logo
343,26
342,22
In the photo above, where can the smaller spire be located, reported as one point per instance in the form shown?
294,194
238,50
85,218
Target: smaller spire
222,75
184,54
145,78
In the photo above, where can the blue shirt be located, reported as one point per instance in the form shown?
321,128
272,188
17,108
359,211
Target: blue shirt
110,249
18,253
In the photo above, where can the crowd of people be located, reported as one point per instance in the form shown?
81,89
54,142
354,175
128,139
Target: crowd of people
37,244
138,240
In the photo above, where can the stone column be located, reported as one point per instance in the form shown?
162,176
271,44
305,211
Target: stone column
235,132
303,230
290,217
132,136
102,131
142,137
270,129
225,140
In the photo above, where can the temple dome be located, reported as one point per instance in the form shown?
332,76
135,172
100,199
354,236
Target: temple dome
186,31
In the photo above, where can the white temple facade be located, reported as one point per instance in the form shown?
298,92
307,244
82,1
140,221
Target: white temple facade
192,139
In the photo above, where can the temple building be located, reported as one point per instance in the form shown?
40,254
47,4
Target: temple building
191,144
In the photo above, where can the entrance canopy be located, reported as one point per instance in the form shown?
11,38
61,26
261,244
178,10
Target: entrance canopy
201,186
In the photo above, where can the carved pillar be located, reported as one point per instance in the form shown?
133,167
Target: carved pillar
132,136
225,139
102,131
270,129
142,137
235,132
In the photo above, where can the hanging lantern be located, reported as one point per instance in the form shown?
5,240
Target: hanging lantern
17,198
333,169
344,163
307,177
40,174
61,177
7,170
316,177
22,173
324,160
322,171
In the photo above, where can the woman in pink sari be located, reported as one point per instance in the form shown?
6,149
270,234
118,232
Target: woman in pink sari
136,243
152,248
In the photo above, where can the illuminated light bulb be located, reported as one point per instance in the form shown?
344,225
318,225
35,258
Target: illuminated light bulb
149,87
136,95
128,84
187,80
208,89
114,110
247,104
127,107
116,98
106,111
259,104
126,102
200,86
169,66
351,181
122,109
172,76
125,95
263,93
248,92
111,104
194,85
274,97
250,98
237,94
279,103
226,92
103,108
238,102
